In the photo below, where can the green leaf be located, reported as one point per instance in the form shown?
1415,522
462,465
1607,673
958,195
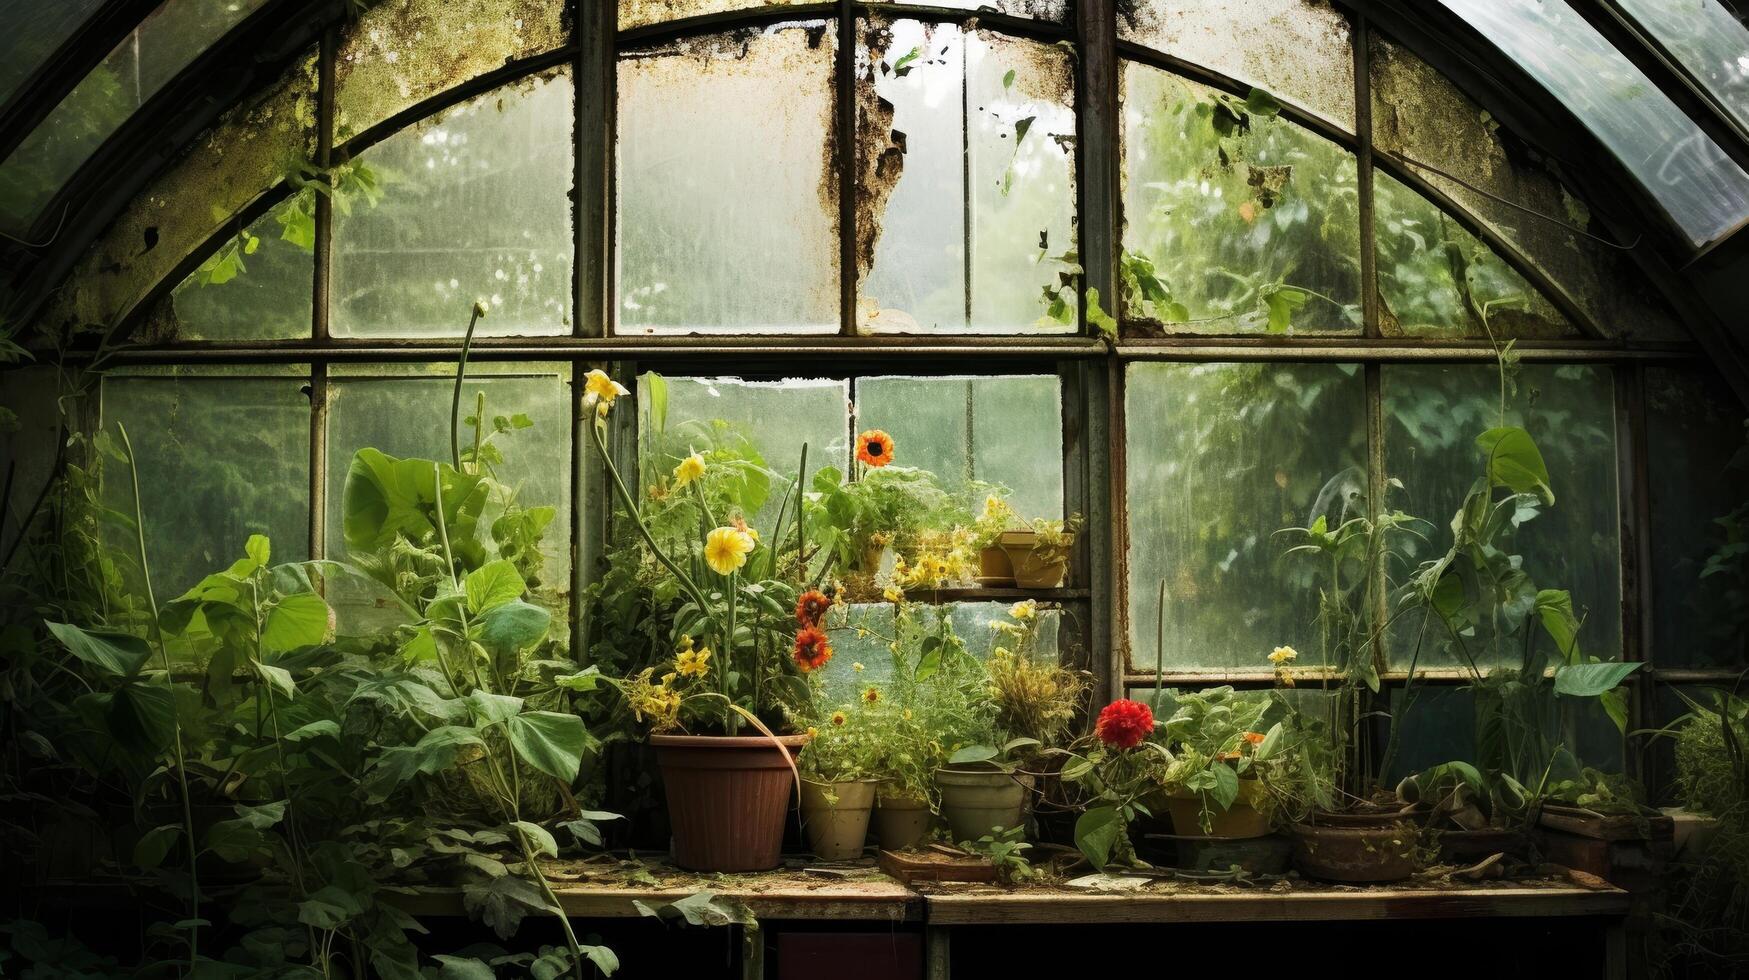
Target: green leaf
462,968
490,709
278,678
703,908
259,549
329,908
1591,680
493,585
142,716
551,742
513,626
1261,103
972,753
1008,80
1283,302
1226,787
236,840
1555,608
113,652
326,727
387,497
1515,462
902,67
585,828
538,836
436,750
154,845
294,622
1097,832
1097,316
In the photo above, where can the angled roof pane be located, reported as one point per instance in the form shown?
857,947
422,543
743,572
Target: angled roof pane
1708,40
1701,188
165,42
31,31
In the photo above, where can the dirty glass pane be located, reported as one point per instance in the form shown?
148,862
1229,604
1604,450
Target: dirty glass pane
971,623
31,394
1041,9
1708,40
223,454
1433,414
965,127
643,13
1298,50
472,205
1438,280
1704,192
257,286
1438,724
1255,231
728,216
32,33
765,421
1699,467
1220,457
165,42
1006,431
404,411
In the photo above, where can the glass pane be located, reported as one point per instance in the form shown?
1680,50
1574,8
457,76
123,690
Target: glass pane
148,58
404,411
1709,41
1691,177
257,286
642,13
1220,457
728,214
1250,232
971,623
1439,724
223,454
1298,50
1438,280
968,127
1700,513
33,32
30,394
1434,413
1007,431
473,205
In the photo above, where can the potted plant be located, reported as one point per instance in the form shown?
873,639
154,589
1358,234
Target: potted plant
839,778
1216,785
885,507
1118,766
995,570
1039,552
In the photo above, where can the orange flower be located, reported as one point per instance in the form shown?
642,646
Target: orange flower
1255,738
812,649
811,608
875,448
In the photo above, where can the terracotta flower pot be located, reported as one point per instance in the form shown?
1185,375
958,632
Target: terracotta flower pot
1036,567
1241,821
728,798
835,817
1356,848
994,568
901,822
980,801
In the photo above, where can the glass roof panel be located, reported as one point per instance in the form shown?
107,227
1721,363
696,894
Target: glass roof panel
144,62
1708,40
1691,177
32,32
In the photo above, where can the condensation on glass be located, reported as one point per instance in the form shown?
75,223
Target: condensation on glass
1433,415
1436,279
861,660
33,32
473,204
223,453
966,188
1704,192
1219,457
1298,50
1257,230
399,53
1708,40
728,215
256,286
1700,513
1423,125
149,57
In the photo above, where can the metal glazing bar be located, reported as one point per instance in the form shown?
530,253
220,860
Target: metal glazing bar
1367,209
593,143
849,187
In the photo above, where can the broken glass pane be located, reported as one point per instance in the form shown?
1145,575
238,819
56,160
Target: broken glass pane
474,204
256,286
728,213
965,127
1235,220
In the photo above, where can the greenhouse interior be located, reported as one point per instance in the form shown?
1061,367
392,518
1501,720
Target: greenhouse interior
527,488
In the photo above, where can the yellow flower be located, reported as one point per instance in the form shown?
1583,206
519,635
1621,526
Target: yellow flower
813,732
906,714
691,468
839,718
725,549
856,667
1283,655
1024,610
693,663
893,594
602,388
871,696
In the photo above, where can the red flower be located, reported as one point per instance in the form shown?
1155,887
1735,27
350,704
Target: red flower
812,649
1124,724
811,608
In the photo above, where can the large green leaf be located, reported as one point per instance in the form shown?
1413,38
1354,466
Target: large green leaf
385,497
1097,832
1555,608
142,716
116,653
513,626
492,585
1591,680
294,622
436,750
539,837
551,742
1515,462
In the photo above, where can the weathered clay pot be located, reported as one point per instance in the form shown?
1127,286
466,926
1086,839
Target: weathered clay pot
728,798
1241,821
1356,847
901,822
979,801
994,568
835,817
1036,567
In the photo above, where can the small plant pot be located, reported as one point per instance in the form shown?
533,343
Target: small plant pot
728,798
1356,848
1241,821
835,817
980,801
1035,566
994,568
902,822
